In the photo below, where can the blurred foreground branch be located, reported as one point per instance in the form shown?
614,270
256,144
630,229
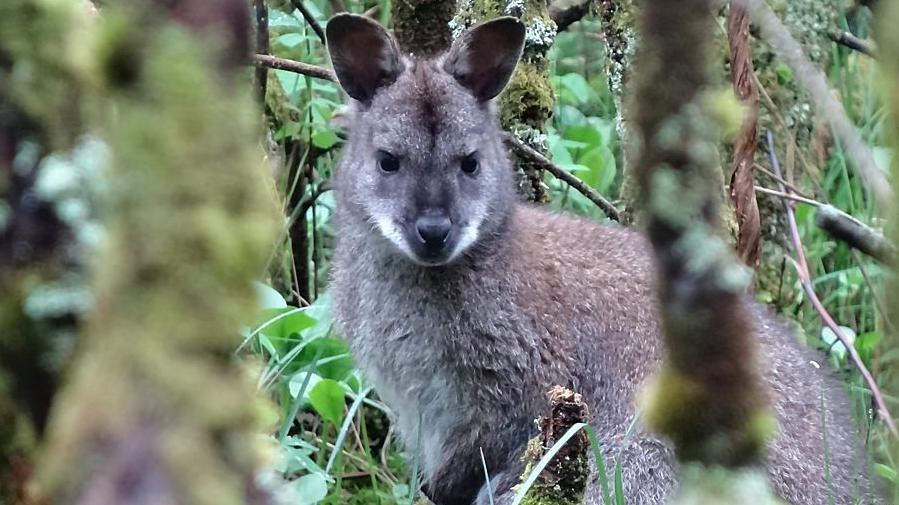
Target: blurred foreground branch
155,410
708,397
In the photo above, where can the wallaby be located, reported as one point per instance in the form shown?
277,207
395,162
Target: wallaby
464,306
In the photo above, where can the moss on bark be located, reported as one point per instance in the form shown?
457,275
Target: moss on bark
564,479
422,26
708,398
527,103
156,409
888,43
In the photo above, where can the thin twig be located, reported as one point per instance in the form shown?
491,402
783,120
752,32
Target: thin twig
852,42
373,12
298,67
788,196
813,172
802,270
791,187
563,175
310,20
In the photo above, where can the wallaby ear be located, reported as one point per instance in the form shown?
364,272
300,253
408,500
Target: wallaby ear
364,56
484,58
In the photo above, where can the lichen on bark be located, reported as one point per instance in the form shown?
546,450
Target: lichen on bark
527,103
708,398
156,409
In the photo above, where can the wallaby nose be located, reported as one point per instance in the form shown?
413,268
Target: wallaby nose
433,230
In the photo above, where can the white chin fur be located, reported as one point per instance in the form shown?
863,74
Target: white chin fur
392,232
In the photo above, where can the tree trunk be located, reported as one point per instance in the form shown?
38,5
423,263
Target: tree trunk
156,410
527,103
888,44
422,26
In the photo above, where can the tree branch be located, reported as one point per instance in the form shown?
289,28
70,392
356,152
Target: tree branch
742,179
852,42
310,20
802,270
265,60
567,12
563,175
841,226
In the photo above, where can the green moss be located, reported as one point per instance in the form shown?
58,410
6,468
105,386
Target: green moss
527,103
569,476
191,221
422,26
689,412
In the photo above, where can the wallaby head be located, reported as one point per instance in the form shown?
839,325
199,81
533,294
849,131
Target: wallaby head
425,167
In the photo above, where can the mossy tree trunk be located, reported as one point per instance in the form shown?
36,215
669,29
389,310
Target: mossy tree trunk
422,26
708,398
40,112
889,47
527,103
156,410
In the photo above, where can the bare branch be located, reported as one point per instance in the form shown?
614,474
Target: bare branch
567,12
852,42
310,20
563,175
788,196
742,179
265,60
373,12
805,279
854,233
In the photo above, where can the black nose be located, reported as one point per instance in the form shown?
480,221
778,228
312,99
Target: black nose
433,230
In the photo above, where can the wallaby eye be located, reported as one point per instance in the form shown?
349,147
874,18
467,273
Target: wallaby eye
387,162
470,164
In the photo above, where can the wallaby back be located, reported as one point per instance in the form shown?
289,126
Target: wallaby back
464,307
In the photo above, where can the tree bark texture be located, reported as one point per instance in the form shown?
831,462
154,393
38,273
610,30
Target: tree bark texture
155,409
527,102
422,26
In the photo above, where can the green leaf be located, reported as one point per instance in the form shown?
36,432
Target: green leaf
295,386
784,73
268,297
886,472
867,342
586,134
577,85
310,489
837,349
325,139
327,398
